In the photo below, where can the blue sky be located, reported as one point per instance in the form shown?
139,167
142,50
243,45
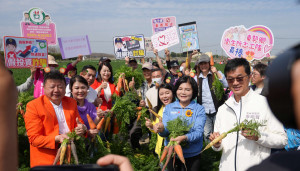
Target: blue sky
101,20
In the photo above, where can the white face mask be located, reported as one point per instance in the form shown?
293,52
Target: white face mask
181,68
156,80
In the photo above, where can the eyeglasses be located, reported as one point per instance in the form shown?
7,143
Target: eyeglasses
238,79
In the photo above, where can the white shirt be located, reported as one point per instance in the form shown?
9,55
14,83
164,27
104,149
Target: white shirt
237,108
107,93
91,96
258,90
63,127
152,95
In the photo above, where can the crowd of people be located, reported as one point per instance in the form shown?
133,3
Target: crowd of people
63,100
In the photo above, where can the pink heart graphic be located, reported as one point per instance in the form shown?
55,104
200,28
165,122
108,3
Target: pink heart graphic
267,48
162,40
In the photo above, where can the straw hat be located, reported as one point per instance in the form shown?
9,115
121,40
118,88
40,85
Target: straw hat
51,60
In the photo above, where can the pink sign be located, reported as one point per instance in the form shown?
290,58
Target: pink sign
36,24
253,43
162,23
165,39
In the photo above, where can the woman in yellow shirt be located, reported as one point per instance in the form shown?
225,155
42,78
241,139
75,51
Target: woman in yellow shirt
165,97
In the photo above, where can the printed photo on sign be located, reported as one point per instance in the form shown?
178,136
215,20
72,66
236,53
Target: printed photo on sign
162,23
37,24
165,39
132,46
189,37
70,47
255,42
23,52
148,44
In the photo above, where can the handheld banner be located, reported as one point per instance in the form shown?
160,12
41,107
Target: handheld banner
71,47
21,52
132,46
148,44
36,24
253,43
189,37
162,23
165,39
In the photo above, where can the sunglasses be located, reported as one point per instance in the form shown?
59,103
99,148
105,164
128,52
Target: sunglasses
238,79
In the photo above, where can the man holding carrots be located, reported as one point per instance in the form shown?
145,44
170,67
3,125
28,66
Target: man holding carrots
49,118
242,150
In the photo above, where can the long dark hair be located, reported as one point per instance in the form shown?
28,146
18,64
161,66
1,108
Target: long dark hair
166,86
107,64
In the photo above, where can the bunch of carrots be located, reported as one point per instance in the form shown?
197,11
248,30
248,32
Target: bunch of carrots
176,127
67,147
250,125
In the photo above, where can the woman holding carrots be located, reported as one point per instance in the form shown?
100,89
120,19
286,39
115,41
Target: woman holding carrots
185,91
165,97
207,96
87,111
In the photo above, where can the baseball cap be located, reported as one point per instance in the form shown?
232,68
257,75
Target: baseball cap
203,58
147,65
174,63
104,59
132,60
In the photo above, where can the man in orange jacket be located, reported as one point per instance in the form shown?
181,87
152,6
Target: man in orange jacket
49,118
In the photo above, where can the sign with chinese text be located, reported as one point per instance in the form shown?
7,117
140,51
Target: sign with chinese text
132,46
148,44
165,39
189,37
71,47
162,23
21,52
37,24
253,43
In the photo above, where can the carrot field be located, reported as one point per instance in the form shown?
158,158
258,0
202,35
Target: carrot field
143,159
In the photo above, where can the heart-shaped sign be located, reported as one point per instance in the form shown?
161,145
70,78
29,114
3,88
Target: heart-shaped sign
162,40
253,43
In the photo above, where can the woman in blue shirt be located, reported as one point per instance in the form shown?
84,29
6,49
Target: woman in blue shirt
185,91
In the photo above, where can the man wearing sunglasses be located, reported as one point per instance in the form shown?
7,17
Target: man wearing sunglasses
240,149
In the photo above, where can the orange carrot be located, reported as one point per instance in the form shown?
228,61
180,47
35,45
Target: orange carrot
69,153
178,151
100,124
170,151
116,127
139,115
164,154
212,63
139,108
91,122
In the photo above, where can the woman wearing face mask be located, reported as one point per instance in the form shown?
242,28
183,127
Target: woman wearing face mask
165,97
206,95
79,89
185,90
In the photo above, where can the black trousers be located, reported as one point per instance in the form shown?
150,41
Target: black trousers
192,164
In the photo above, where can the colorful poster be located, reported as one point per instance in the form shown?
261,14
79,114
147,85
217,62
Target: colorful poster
148,44
21,52
162,23
189,37
71,47
165,39
253,43
132,46
39,25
